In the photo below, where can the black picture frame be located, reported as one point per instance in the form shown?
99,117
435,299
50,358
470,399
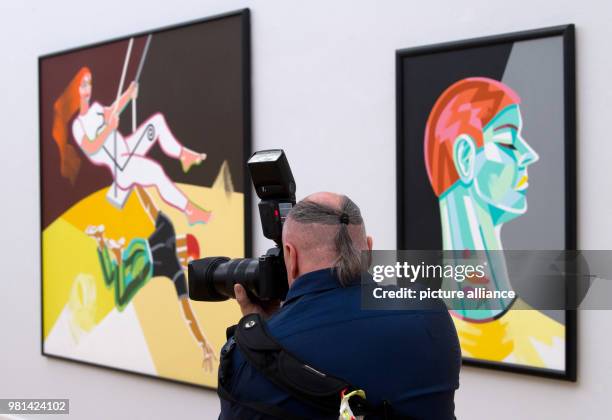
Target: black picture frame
245,25
567,32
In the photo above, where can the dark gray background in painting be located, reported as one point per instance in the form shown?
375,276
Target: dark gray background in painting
193,76
535,72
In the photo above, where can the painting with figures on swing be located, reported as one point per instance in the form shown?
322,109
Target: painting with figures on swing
143,141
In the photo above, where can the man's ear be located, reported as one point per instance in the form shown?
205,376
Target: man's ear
291,261
464,157
370,242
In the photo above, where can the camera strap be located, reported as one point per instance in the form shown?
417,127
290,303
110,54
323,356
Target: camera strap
300,380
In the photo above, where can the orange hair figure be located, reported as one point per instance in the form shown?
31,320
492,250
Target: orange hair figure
466,107
64,109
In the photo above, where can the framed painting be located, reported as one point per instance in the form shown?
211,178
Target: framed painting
143,144
486,161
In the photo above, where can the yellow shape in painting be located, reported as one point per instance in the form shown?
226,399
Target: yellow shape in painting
487,340
67,254
68,251
82,305
172,347
129,222
510,336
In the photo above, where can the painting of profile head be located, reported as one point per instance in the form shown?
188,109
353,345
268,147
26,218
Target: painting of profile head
143,147
485,164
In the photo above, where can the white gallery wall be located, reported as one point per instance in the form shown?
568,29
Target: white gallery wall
324,90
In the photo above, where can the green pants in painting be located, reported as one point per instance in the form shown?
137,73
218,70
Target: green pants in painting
127,276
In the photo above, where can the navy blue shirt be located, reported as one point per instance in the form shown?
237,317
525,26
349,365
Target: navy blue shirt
411,358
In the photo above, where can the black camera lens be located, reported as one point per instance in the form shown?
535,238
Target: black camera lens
212,279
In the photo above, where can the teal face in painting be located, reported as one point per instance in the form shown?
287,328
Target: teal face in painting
496,172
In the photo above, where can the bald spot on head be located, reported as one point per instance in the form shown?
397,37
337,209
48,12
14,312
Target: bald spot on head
315,242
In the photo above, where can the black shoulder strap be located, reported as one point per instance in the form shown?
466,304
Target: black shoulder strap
270,410
225,368
298,379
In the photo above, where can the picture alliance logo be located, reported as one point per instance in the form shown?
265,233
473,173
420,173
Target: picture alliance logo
422,271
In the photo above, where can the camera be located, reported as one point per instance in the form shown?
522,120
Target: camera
212,279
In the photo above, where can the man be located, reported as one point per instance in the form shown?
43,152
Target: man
409,358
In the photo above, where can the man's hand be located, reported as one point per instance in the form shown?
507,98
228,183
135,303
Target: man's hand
265,309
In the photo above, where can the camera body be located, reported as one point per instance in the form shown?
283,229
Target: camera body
265,278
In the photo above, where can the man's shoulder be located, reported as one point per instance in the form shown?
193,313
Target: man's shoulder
339,311
380,351
335,306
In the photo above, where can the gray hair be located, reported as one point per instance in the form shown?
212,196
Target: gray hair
348,264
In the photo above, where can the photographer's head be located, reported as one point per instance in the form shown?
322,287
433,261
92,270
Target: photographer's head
325,230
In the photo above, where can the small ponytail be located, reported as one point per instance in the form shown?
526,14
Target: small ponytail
348,265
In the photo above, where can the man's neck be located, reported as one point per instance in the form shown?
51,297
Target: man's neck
310,269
